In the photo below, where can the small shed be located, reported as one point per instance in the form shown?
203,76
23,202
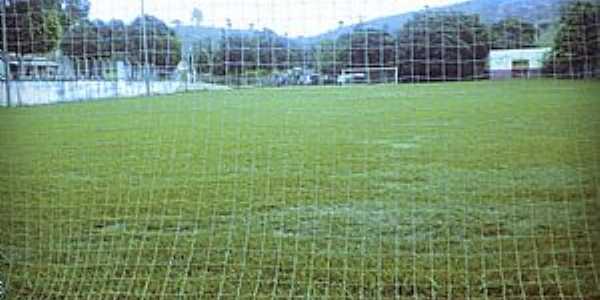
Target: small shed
517,63
29,67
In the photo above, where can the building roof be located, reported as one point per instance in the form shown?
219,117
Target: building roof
520,51
35,63
30,60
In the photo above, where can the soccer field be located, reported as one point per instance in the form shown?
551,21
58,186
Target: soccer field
453,190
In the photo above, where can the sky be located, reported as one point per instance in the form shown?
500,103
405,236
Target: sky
294,17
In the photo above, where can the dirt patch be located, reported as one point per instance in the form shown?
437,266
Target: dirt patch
168,228
416,220
111,226
404,146
405,143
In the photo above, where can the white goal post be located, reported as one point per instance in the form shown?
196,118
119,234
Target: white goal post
369,75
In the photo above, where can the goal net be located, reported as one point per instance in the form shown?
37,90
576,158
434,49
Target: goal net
313,149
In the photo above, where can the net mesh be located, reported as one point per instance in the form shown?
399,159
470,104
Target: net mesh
228,161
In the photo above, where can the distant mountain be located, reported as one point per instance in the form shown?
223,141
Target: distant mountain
533,11
490,11
190,34
543,12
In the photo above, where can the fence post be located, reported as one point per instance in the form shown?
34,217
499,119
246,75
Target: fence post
145,45
5,56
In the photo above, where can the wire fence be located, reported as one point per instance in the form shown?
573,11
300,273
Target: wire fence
332,149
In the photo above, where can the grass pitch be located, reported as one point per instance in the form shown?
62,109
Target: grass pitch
458,190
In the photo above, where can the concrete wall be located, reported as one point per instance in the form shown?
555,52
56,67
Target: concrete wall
25,93
508,74
503,59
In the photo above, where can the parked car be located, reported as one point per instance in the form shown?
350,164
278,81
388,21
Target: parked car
351,78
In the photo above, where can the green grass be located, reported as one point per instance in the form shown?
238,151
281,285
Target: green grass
480,190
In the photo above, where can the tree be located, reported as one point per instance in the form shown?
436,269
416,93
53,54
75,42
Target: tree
95,40
239,53
114,40
75,11
117,38
70,11
439,46
197,16
32,27
206,57
576,47
82,41
163,45
366,47
513,33
327,56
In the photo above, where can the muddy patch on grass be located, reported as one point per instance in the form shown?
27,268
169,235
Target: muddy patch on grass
417,221
111,226
13,254
403,146
405,143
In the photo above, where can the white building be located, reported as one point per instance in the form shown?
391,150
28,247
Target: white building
517,63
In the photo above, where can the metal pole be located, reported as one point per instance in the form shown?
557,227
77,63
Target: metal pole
5,55
145,49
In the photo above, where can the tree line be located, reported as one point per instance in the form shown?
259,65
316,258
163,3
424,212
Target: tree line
119,41
36,26
576,50
430,46
43,26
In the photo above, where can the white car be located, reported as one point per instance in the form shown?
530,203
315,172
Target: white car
351,78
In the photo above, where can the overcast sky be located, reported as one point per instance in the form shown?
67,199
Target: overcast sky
296,17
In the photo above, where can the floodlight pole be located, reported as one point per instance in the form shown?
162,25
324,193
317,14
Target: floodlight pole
145,46
5,55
